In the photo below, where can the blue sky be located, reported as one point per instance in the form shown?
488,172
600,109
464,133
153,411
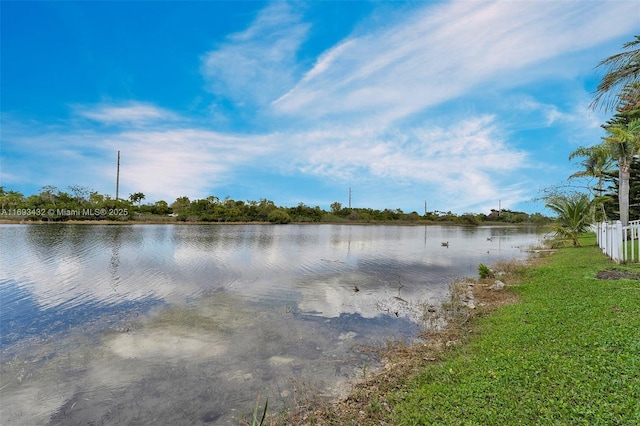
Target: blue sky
464,104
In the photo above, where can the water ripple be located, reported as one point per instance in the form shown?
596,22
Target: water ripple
69,267
188,323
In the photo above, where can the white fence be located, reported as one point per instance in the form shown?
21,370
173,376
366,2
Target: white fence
619,242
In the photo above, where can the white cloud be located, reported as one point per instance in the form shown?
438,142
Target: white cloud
440,52
258,64
182,161
163,162
365,112
130,113
465,161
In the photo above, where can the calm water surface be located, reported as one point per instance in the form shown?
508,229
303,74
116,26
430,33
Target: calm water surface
178,324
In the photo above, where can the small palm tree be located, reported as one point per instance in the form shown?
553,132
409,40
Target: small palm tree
574,214
597,164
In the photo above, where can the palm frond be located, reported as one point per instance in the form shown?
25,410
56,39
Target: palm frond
622,69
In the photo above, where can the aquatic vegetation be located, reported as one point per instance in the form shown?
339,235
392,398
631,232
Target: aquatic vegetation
187,318
255,421
484,271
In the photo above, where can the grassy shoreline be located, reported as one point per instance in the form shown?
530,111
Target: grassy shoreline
567,352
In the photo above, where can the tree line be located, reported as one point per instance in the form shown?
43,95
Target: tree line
81,203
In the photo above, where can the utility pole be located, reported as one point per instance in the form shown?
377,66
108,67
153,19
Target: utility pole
349,197
118,177
425,207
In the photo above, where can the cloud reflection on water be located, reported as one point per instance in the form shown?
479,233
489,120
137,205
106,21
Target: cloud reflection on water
185,323
313,267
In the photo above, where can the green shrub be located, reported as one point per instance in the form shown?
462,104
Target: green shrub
484,271
279,216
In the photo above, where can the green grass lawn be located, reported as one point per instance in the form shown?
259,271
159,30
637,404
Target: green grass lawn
567,354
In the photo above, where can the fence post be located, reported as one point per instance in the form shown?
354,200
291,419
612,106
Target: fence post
632,251
602,235
617,242
609,239
614,240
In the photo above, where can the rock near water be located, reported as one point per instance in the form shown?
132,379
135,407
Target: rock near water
498,285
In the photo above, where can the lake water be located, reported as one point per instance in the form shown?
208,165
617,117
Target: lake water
190,324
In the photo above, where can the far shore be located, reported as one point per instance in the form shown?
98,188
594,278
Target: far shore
172,221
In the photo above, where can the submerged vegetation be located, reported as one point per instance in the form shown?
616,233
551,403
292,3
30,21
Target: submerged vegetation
80,203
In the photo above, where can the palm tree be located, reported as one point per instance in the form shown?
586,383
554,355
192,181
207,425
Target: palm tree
137,198
574,212
597,164
624,142
623,69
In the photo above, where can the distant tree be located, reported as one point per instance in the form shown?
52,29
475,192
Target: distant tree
260,210
279,216
49,193
538,219
181,205
304,213
469,219
10,199
161,207
202,209
413,216
388,214
213,199
81,193
354,214
336,207
96,198
137,197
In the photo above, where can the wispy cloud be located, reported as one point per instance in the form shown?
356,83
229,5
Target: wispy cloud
465,161
131,113
259,64
163,162
182,161
432,101
441,52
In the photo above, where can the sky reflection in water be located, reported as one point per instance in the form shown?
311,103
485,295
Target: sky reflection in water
189,324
